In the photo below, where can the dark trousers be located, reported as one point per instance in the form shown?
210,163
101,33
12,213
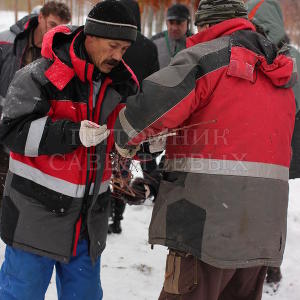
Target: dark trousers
187,278
117,209
295,162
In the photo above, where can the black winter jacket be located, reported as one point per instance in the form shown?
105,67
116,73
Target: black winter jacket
142,56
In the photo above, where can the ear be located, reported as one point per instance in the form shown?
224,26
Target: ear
40,17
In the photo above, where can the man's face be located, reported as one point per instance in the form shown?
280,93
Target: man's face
177,28
49,22
105,54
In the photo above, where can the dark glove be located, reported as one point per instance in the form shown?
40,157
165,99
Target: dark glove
141,191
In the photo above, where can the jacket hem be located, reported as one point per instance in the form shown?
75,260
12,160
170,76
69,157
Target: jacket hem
54,256
217,263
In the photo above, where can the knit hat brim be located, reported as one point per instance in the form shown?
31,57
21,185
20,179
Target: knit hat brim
110,30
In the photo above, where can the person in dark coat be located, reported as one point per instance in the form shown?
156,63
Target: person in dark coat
57,121
142,58
21,45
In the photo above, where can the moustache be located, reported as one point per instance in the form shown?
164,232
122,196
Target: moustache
112,62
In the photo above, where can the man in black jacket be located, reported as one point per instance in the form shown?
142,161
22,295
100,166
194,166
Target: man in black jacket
142,58
21,45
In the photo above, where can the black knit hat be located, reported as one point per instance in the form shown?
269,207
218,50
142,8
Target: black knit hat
112,20
216,11
178,12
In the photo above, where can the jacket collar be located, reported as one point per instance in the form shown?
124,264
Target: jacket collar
227,27
23,28
26,23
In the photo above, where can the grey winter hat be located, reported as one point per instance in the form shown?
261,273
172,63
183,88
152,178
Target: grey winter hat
111,19
216,11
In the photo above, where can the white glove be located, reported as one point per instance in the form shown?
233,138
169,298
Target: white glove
92,134
127,153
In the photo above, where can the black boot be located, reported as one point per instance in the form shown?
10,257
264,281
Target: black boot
115,227
273,275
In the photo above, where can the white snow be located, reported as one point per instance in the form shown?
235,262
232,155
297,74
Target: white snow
132,271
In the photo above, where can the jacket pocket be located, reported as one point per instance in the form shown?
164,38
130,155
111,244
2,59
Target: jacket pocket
181,276
171,186
52,201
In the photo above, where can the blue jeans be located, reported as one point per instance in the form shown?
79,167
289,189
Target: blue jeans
26,276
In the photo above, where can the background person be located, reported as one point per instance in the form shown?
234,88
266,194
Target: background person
21,45
173,40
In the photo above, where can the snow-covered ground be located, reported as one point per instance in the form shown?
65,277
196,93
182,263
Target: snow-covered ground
132,271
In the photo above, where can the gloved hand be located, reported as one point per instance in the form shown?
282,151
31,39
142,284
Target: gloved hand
141,190
92,134
127,153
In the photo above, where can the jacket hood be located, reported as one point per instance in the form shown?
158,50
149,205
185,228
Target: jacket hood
250,51
134,6
268,15
24,23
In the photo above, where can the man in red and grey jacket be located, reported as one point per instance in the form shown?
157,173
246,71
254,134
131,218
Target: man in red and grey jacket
222,203
56,122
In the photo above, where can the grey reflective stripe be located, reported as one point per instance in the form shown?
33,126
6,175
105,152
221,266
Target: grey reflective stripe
96,89
50,182
130,131
34,137
103,188
111,23
227,167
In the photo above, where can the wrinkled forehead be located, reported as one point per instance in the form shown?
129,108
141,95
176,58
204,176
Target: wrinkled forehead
106,41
